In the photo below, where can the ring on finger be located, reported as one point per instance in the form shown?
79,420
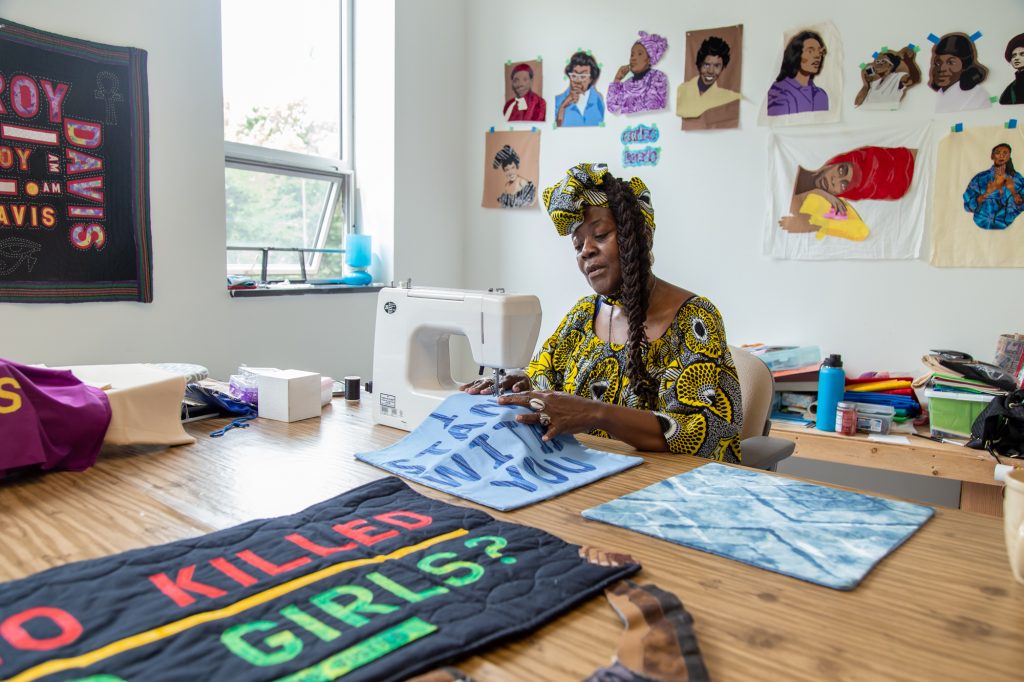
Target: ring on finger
536,404
544,419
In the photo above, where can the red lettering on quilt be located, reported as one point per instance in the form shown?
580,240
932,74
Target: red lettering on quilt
233,572
55,99
86,235
184,588
83,133
319,550
24,96
270,568
405,519
179,588
13,629
362,535
27,215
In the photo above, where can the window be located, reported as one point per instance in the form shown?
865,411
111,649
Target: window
287,177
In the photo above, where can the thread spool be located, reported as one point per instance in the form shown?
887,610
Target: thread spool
352,388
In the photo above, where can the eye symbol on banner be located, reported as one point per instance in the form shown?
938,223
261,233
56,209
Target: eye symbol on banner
493,549
390,307
107,84
15,251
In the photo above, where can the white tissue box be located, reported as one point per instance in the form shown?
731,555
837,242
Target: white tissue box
289,395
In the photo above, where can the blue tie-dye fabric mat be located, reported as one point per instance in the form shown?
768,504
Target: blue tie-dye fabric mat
811,532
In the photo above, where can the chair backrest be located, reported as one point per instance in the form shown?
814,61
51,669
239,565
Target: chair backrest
756,389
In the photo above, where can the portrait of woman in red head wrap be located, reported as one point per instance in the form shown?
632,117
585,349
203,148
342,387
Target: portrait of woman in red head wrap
821,197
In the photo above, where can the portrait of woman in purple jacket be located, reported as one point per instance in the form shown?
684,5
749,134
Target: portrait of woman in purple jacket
794,91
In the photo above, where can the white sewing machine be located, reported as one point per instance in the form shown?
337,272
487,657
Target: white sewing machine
412,370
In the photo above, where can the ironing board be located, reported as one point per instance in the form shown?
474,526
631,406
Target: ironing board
145,403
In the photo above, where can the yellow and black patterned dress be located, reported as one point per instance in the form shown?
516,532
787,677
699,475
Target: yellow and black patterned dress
699,392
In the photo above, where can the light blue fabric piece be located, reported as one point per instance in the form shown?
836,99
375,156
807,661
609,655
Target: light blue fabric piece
472,447
811,532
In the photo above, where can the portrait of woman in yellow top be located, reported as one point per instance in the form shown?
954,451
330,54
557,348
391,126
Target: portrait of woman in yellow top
640,360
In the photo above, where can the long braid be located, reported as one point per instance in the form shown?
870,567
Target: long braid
635,258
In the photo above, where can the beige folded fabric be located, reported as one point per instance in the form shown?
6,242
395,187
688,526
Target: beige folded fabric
145,403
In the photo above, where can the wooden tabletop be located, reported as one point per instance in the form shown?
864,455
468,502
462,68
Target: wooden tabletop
942,606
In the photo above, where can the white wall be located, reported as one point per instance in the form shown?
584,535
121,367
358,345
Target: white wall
192,318
709,189
430,141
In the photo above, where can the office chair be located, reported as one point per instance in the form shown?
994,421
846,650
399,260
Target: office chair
757,386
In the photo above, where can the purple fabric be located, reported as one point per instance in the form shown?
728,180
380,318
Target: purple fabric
654,44
650,93
49,419
789,97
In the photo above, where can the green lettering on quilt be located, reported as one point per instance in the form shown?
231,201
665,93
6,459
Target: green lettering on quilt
282,646
350,613
367,651
403,592
475,571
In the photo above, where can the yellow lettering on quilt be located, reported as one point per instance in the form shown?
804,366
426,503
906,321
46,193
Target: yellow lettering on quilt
14,398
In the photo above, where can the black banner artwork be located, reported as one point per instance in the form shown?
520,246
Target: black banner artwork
378,583
74,188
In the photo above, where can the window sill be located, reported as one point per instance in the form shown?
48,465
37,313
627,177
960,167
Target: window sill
300,290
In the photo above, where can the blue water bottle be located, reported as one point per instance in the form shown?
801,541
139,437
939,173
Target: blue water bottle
831,385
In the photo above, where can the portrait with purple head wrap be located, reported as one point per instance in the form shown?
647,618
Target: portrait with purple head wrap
637,85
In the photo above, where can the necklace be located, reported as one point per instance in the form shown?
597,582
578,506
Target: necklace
650,296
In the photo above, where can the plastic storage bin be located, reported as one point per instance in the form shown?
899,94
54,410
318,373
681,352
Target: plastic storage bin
953,413
787,357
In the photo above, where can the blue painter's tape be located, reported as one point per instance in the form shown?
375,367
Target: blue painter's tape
492,129
874,55
975,36
913,47
933,38
1012,123
957,128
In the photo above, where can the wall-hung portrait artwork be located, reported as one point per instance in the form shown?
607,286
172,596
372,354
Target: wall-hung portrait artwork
710,94
809,84
956,75
1014,56
979,197
580,104
511,164
523,88
861,195
887,78
638,86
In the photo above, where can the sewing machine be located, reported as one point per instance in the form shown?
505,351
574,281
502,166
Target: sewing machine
412,370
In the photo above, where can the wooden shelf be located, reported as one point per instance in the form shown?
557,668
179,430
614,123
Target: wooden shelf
974,468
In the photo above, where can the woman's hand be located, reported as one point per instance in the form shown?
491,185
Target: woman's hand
791,223
512,381
561,413
838,205
621,73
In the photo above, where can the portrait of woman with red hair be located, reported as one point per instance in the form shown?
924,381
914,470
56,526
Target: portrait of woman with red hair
821,197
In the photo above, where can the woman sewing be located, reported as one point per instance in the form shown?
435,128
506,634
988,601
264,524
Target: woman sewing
640,359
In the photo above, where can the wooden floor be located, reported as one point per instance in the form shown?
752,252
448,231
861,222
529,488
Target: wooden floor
944,606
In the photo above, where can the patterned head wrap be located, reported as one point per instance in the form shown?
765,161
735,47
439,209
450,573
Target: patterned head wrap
582,186
654,44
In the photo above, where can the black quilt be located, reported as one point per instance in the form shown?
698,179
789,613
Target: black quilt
376,584
74,170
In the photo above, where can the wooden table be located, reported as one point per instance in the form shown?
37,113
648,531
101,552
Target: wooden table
944,606
979,491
